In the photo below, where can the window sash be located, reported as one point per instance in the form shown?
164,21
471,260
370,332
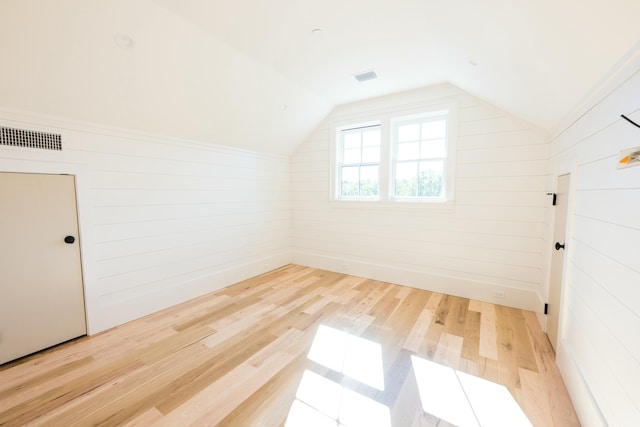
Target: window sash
364,186
420,185
359,153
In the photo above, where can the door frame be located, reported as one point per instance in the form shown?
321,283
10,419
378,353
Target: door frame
566,274
80,173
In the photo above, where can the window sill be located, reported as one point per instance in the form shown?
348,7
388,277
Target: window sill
398,205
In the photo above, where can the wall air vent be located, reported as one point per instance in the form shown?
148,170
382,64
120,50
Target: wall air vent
30,139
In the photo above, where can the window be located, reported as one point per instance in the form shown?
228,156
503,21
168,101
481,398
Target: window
359,162
396,156
420,154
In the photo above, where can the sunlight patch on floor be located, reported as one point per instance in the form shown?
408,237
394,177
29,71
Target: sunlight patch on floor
463,399
353,356
322,402
451,395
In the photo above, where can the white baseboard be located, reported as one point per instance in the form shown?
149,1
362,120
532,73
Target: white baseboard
583,401
542,319
106,316
481,291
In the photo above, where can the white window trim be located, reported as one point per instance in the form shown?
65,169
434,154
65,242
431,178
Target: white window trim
386,118
395,123
337,160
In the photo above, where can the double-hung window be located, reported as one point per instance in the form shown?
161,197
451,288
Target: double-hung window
420,157
397,155
359,162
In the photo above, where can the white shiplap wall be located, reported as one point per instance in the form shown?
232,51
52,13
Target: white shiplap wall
491,241
161,220
599,345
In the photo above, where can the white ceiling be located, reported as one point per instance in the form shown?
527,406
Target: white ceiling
535,58
249,73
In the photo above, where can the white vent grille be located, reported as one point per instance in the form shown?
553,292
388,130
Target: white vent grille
30,139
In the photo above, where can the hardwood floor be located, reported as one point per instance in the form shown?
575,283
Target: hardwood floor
298,347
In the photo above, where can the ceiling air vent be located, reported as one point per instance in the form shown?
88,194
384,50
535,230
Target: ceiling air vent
367,75
30,139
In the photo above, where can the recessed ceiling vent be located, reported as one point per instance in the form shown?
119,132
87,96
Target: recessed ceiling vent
367,75
30,139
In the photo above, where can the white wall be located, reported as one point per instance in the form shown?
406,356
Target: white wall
599,345
161,220
176,80
491,241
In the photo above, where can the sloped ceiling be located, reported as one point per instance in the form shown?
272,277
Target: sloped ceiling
250,73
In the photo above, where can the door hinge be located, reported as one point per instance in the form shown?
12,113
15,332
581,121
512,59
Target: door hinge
555,197
546,308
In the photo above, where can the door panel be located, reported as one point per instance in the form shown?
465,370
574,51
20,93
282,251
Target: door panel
41,294
557,258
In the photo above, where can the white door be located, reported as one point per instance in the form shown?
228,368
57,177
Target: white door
557,258
41,294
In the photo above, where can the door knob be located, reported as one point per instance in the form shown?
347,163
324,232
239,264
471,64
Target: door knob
69,240
559,246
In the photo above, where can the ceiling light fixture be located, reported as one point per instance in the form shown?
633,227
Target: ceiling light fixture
367,75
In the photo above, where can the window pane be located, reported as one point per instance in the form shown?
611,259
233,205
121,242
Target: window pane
369,180
350,180
371,137
406,179
409,132
433,148
409,151
351,140
371,155
437,129
352,155
430,183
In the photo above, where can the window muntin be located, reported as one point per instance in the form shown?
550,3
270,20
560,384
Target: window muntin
359,162
420,157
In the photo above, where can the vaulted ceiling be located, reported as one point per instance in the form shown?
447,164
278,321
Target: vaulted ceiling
253,74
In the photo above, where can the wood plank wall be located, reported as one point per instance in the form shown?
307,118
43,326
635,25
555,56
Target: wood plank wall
494,237
599,351
162,220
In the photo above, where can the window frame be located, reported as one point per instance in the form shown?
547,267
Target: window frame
341,132
396,122
386,118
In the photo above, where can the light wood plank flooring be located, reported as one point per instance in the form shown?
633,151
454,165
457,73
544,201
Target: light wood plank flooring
297,347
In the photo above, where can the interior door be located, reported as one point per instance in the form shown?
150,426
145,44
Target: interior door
557,258
41,293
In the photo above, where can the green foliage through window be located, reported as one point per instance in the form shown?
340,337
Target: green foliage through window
428,184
